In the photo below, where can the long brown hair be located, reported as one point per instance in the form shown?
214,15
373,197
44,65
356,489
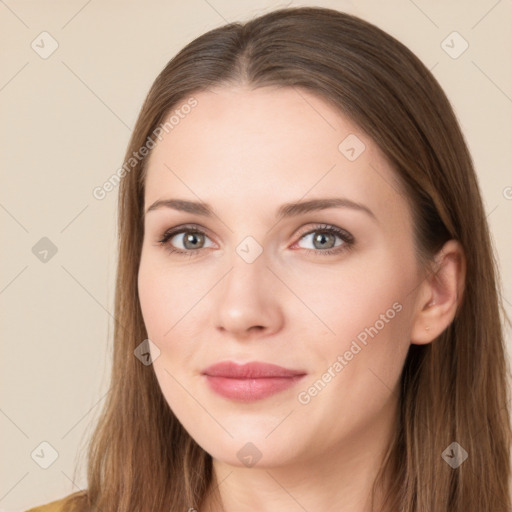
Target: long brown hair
454,389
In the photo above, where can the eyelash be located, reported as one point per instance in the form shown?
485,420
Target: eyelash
347,238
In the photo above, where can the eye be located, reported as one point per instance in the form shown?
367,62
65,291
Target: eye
323,237
189,239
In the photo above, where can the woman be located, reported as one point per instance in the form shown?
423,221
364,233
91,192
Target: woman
306,303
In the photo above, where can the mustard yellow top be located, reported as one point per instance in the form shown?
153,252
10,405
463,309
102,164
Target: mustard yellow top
54,506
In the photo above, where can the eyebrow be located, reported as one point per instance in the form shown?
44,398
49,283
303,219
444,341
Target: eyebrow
286,210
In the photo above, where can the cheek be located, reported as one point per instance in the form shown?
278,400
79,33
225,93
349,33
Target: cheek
169,306
368,313
352,300
150,289
159,301
162,308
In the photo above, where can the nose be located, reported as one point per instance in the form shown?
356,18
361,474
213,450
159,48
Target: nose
247,302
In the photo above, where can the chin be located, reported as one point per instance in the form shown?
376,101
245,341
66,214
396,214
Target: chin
253,451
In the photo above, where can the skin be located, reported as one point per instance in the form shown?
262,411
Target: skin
246,152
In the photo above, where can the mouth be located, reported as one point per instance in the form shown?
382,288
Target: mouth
250,382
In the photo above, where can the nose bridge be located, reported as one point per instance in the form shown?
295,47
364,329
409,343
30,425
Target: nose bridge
246,298
248,264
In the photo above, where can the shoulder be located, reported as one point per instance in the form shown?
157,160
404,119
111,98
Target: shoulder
53,506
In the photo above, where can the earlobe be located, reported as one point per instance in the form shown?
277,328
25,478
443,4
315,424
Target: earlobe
440,294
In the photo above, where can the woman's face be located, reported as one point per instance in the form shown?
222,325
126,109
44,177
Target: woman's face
329,293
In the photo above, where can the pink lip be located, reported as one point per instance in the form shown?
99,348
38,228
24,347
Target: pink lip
251,381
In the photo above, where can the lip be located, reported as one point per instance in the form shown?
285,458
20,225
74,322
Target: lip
250,382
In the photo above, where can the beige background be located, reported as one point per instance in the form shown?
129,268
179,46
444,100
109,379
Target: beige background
65,124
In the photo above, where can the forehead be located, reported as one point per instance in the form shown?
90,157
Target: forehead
249,145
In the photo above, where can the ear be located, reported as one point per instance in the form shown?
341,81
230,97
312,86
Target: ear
440,294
